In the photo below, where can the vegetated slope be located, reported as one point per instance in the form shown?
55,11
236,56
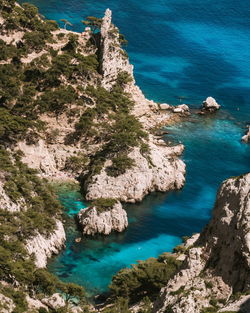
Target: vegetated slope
68,105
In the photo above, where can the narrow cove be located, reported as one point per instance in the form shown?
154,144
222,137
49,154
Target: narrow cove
213,153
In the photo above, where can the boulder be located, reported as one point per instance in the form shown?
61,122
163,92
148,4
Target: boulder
182,108
164,106
210,105
95,220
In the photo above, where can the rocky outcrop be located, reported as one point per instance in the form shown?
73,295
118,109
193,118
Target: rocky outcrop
93,221
218,263
113,58
182,108
43,247
161,170
246,137
210,105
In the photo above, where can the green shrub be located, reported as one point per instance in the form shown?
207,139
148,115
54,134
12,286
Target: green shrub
120,164
144,279
76,163
103,204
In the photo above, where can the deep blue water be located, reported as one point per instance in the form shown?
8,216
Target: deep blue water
180,48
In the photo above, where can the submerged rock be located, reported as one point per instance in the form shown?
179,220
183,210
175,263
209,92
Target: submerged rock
210,105
218,263
96,220
246,137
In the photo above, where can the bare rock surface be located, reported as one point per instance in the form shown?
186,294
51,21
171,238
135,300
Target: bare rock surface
161,171
44,247
95,222
218,263
210,105
113,60
182,108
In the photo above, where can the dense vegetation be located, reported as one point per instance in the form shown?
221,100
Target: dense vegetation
144,279
39,208
103,204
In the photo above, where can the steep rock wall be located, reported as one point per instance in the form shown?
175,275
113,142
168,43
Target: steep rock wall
113,59
94,222
44,247
162,171
219,263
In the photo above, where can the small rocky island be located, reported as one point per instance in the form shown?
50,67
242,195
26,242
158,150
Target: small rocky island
105,216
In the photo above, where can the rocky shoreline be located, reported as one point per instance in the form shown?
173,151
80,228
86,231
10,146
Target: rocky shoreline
211,268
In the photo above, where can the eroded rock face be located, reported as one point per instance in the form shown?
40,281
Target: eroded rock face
219,262
94,222
210,105
161,171
227,237
44,247
113,60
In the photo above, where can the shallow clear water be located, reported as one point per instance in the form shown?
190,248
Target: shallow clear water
180,48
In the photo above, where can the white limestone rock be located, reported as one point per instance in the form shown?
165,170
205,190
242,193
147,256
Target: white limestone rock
165,106
182,108
246,137
94,222
161,171
221,254
44,247
113,59
55,301
210,105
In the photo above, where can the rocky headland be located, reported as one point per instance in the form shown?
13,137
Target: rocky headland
217,262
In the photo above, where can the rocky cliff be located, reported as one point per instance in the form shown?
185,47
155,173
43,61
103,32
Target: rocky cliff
113,58
217,264
96,220
43,247
161,170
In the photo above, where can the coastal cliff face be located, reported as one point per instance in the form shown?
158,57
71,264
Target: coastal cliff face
93,221
40,245
113,58
217,265
161,170
43,247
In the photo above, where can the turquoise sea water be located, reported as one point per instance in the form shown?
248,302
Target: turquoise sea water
180,48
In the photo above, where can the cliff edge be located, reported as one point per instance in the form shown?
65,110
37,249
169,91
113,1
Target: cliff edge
217,265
